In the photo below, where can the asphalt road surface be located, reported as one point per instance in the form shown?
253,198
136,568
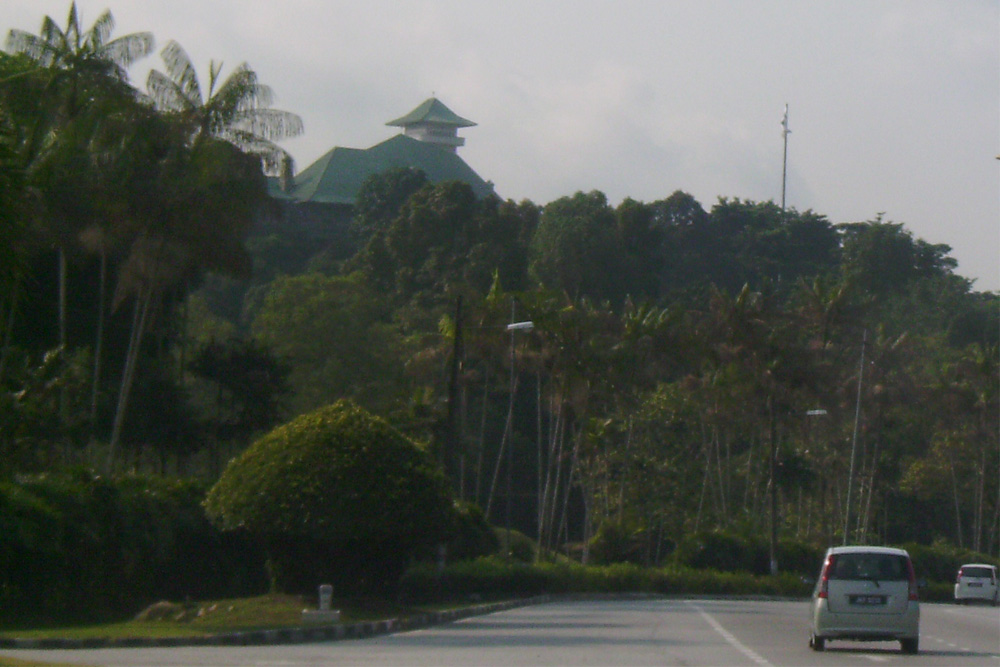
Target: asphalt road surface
643,632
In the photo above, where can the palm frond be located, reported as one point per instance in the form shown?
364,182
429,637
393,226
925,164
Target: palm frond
270,124
214,69
52,34
232,97
33,46
180,69
272,156
100,32
125,50
166,94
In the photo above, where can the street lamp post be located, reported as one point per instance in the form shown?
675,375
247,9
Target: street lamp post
508,439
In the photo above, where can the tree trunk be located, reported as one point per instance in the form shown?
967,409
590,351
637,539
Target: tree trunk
63,396
540,471
482,434
99,342
556,469
140,315
9,325
958,510
503,447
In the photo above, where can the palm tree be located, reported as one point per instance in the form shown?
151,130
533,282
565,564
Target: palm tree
82,70
237,110
12,231
76,62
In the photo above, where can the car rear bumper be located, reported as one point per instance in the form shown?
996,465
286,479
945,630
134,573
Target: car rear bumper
867,627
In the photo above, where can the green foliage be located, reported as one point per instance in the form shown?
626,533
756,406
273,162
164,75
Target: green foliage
237,110
939,562
659,419
335,493
333,334
515,545
494,577
883,257
726,552
474,536
42,411
445,241
78,546
615,542
380,199
577,250
249,386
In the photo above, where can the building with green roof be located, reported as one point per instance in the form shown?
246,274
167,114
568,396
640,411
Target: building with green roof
429,143
316,205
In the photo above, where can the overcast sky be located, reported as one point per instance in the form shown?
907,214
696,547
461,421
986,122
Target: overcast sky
894,105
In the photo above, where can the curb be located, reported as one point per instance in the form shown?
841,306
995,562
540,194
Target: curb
292,635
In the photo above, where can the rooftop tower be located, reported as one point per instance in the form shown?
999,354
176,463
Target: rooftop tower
434,123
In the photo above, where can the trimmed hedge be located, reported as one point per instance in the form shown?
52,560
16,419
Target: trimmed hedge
495,578
337,496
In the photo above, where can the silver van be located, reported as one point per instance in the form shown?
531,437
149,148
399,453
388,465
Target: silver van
866,594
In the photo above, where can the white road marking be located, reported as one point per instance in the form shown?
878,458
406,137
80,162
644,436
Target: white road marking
728,636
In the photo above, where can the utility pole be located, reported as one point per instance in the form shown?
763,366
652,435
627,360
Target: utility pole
854,438
773,464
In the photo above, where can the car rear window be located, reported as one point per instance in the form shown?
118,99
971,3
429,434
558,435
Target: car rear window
880,567
984,572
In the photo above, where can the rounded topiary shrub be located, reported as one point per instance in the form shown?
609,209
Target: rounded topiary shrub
336,496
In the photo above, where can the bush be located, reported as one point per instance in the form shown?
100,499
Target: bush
940,562
474,536
75,545
615,542
492,578
726,552
519,546
336,496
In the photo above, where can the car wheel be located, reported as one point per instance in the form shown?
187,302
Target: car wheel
817,643
910,645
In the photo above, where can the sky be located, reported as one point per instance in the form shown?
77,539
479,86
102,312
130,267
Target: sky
893,105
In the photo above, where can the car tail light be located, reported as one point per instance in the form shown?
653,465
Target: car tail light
958,578
914,593
824,583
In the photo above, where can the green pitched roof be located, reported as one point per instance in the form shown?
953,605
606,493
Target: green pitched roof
432,111
336,177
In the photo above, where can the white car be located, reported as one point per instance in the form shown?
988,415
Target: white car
977,581
866,594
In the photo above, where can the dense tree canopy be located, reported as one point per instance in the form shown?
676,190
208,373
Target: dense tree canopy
677,367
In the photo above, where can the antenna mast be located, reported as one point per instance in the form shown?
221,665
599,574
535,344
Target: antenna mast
784,164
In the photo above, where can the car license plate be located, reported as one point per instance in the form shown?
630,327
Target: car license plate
867,599
973,585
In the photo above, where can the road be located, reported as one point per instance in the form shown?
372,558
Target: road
644,632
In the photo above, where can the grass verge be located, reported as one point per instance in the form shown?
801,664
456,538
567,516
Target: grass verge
218,617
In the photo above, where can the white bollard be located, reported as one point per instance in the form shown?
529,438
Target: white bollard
325,597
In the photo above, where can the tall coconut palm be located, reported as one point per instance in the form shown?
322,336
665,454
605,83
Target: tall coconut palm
76,61
236,110
82,69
